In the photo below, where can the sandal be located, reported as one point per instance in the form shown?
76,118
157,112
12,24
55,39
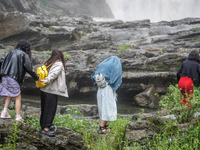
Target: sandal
101,130
107,129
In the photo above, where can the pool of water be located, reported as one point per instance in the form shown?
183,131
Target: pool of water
123,107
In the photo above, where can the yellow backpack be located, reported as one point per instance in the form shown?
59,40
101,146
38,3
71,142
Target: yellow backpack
42,73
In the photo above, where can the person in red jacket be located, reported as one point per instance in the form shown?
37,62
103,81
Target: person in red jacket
186,75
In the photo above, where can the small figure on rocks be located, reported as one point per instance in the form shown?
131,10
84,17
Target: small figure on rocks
187,75
108,77
14,65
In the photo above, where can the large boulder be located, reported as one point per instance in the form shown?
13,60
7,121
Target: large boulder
140,132
147,98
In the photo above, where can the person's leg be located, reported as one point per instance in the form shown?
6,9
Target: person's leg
18,108
42,97
48,109
7,103
4,113
182,88
190,91
18,104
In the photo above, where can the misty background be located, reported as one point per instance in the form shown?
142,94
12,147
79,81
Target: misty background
155,10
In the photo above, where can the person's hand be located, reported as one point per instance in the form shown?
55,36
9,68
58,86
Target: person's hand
43,81
39,80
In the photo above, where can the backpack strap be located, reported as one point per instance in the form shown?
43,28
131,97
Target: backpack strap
49,65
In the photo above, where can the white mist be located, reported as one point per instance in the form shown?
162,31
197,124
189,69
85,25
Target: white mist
155,10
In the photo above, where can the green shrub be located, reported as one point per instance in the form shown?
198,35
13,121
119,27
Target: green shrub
67,56
123,47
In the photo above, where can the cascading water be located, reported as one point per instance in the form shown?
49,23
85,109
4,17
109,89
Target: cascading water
155,10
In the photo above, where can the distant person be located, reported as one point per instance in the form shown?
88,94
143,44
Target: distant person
108,77
56,85
186,75
13,66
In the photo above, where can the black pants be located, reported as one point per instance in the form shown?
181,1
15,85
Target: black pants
48,109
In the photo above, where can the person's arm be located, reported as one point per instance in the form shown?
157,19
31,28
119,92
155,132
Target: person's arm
54,72
179,72
29,68
3,58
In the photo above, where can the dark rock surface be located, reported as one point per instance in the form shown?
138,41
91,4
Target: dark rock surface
30,138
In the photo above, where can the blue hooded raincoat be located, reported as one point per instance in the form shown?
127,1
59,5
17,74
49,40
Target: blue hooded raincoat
111,68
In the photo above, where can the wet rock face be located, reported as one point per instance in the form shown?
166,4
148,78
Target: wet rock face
150,53
95,8
19,5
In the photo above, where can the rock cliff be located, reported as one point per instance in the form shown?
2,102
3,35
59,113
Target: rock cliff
150,53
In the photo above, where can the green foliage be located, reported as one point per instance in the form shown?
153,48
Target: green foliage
66,56
39,53
160,51
120,54
197,37
14,130
33,121
196,29
171,136
95,29
88,128
177,140
171,100
49,52
108,51
42,3
123,47
140,115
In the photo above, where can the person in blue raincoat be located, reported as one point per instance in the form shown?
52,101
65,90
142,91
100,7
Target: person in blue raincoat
108,77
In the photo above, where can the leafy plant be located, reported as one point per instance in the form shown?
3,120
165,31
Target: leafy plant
49,52
160,51
108,51
196,29
171,100
121,54
33,121
123,47
14,130
67,56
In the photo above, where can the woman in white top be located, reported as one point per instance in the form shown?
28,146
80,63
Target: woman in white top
55,86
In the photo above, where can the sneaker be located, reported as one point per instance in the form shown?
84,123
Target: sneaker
5,115
19,119
49,133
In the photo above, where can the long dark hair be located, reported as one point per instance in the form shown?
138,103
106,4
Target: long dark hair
56,55
25,46
194,55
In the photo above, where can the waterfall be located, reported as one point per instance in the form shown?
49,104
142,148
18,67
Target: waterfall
155,10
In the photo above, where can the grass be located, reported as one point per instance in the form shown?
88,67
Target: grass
123,47
88,128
